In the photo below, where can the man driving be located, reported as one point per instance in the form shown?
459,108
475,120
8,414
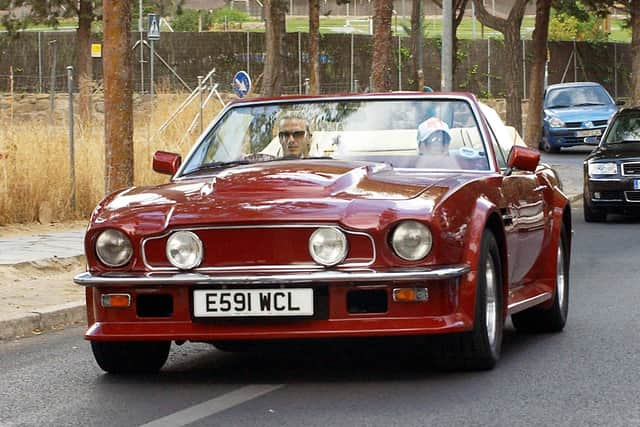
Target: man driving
433,137
294,136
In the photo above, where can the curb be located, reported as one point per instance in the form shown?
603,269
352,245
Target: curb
47,319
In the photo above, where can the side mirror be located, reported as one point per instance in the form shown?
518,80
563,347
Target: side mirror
166,163
620,102
523,158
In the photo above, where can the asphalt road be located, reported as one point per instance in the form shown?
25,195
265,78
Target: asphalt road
586,375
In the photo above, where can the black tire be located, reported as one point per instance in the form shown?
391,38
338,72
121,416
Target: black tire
480,348
592,214
548,148
128,357
553,319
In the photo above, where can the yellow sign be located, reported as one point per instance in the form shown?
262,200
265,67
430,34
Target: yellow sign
96,50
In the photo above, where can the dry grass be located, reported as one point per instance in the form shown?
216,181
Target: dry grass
34,154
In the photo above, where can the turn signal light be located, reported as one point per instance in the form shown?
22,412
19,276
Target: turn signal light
410,294
116,300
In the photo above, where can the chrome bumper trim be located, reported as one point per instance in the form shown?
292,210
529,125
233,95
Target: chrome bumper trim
160,279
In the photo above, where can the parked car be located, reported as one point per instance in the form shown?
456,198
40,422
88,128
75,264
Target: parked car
612,171
575,114
325,217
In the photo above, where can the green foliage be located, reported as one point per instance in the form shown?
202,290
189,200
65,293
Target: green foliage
188,20
227,14
574,22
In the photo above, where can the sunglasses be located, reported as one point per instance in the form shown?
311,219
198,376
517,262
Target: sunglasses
296,134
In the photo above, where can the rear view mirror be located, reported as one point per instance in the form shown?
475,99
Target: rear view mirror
523,158
166,163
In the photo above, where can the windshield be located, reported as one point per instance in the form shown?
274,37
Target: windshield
577,96
624,129
433,134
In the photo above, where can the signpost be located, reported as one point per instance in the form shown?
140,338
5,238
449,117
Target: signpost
153,34
241,84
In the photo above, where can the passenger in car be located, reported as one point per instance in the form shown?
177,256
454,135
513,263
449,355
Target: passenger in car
433,144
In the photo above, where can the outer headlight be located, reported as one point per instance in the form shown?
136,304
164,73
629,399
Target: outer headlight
602,168
184,250
555,122
328,246
113,248
411,240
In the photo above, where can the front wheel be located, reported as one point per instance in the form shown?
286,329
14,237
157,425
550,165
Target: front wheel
131,356
593,214
547,147
480,348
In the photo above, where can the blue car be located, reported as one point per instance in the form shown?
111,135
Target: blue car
575,114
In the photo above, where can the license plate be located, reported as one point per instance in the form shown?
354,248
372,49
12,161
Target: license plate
636,184
252,302
592,132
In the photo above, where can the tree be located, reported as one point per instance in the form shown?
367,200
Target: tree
417,43
118,95
275,29
510,28
314,46
536,74
381,64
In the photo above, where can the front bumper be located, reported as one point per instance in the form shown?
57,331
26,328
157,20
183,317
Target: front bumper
620,192
449,308
565,137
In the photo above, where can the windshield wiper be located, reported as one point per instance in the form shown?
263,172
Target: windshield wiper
586,104
217,165
559,106
622,141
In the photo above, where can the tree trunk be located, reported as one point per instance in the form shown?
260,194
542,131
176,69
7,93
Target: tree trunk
381,64
274,11
84,67
510,28
314,46
513,75
118,95
635,51
417,48
533,130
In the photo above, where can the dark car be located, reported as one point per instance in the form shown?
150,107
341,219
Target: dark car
612,171
575,114
322,218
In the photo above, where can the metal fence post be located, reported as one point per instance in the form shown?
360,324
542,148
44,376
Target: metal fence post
299,62
72,172
306,86
200,78
52,88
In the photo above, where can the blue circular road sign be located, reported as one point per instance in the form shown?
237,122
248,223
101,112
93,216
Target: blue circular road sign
241,84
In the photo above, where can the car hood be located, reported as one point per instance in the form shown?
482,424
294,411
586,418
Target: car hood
309,190
578,114
628,150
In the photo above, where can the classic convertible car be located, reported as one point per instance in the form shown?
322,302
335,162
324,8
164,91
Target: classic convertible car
333,216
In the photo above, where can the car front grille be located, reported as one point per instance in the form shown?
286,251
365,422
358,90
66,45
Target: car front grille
596,123
631,169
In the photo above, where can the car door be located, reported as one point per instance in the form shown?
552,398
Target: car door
522,214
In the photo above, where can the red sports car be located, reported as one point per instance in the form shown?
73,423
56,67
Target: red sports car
333,216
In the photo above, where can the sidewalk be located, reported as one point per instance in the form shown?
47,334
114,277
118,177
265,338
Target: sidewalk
37,293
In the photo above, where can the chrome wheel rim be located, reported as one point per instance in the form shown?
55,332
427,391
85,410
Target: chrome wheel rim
560,279
491,305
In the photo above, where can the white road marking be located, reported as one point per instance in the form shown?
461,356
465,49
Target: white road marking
213,406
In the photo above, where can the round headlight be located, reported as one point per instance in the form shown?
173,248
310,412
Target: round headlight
411,240
113,248
184,250
328,246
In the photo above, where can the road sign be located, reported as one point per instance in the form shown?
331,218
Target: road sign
241,84
154,27
96,50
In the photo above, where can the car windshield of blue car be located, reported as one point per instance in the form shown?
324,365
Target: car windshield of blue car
404,133
624,129
577,96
